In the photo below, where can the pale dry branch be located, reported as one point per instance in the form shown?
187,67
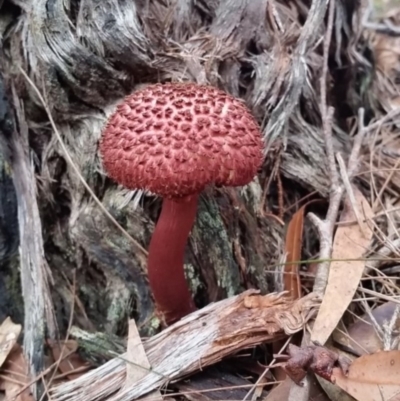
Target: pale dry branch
199,340
326,227
35,274
348,188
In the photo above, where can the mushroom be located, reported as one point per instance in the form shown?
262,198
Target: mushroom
174,140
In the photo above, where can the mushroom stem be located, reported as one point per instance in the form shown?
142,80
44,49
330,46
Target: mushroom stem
166,258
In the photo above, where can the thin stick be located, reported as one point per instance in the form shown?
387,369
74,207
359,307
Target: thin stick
56,364
326,227
258,382
63,348
349,190
352,164
379,295
38,377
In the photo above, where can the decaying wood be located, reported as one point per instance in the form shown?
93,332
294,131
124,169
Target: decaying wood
8,209
35,275
199,340
9,234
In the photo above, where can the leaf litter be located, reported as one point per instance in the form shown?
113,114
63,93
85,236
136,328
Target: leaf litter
351,241
362,337
9,333
372,377
14,376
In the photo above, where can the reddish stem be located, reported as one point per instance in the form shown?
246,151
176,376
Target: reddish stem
166,257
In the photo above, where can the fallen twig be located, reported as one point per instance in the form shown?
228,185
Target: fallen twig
35,273
326,227
199,340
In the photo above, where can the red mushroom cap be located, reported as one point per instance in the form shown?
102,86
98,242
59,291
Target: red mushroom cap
175,139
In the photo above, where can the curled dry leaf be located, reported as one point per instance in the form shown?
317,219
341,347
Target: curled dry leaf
15,376
361,337
317,359
350,244
293,244
372,377
71,364
294,240
9,333
198,340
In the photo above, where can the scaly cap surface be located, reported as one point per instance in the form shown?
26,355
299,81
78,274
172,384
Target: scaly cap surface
175,139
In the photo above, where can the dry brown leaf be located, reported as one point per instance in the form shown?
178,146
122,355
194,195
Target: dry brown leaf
344,275
9,333
372,377
137,365
361,337
293,244
71,364
294,240
333,392
281,392
14,376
